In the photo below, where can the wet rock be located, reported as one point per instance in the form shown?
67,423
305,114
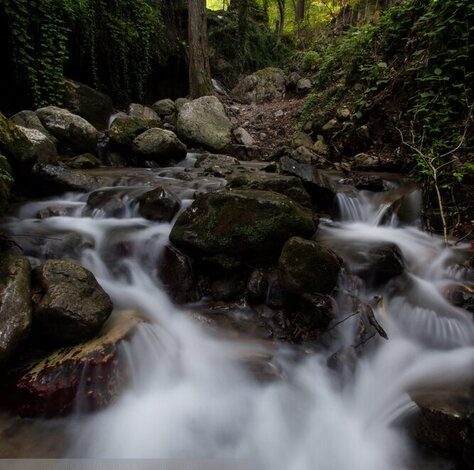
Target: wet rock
138,111
257,286
30,120
304,86
264,85
165,107
6,182
159,205
88,376
125,129
109,201
91,104
69,304
73,132
306,267
83,162
463,297
240,223
242,137
176,273
160,146
370,183
42,146
228,288
203,122
15,303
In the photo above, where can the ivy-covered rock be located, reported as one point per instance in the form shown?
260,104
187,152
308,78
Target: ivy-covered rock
15,303
125,129
264,85
73,132
203,122
91,104
160,146
69,304
6,181
240,223
306,267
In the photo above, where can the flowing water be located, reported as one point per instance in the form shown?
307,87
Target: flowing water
191,397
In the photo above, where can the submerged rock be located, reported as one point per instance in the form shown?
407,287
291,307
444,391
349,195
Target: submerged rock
159,205
15,303
159,145
264,85
203,122
84,377
240,223
69,304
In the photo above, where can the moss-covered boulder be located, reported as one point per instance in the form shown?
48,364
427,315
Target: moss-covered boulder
13,143
306,267
15,303
6,181
125,129
69,304
240,223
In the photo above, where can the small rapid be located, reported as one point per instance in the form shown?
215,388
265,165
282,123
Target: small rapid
190,395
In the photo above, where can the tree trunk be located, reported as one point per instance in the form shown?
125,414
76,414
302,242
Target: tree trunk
300,11
281,21
200,83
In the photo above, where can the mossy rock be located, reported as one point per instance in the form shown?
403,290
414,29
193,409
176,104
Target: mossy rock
245,223
125,129
13,143
6,181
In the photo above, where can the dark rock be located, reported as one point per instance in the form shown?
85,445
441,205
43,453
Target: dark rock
160,146
240,223
15,303
83,162
245,152
92,105
228,288
13,143
176,273
257,286
88,376
124,129
370,183
6,182
165,107
69,304
217,165
109,201
306,267
159,205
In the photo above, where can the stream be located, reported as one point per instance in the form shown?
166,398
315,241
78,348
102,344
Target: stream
190,396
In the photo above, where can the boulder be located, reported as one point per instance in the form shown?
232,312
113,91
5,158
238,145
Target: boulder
216,164
73,132
109,202
124,129
6,182
180,102
15,303
176,273
13,143
158,205
83,162
306,267
69,304
165,107
304,86
43,147
145,113
30,120
320,147
301,139
242,137
240,223
364,161
264,85
94,106
87,376
203,122
160,146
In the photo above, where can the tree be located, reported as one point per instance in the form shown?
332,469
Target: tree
300,11
200,83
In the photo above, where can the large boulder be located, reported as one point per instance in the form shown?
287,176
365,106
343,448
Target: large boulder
74,133
158,205
264,85
139,111
91,104
43,147
240,223
87,376
160,146
69,304
203,122
124,129
6,181
13,143
30,120
306,267
15,303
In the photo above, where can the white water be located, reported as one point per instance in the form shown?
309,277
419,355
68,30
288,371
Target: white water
191,397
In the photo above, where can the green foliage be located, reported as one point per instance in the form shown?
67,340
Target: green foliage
116,42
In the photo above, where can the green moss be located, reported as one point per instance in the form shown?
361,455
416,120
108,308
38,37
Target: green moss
13,143
124,129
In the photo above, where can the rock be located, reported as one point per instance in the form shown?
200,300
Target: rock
370,183
363,161
246,152
43,147
125,129
13,143
6,182
73,132
331,126
321,148
290,186
306,267
94,106
304,86
264,85
69,304
343,113
304,155
217,165
242,137
180,102
109,201
301,139
292,80
88,376
257,286
165,107
15,303
30,120
203,122
279,113
240,223
138,111
52,179
160,146
84,162
158,205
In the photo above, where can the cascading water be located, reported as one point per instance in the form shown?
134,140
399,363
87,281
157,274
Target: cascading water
191,397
